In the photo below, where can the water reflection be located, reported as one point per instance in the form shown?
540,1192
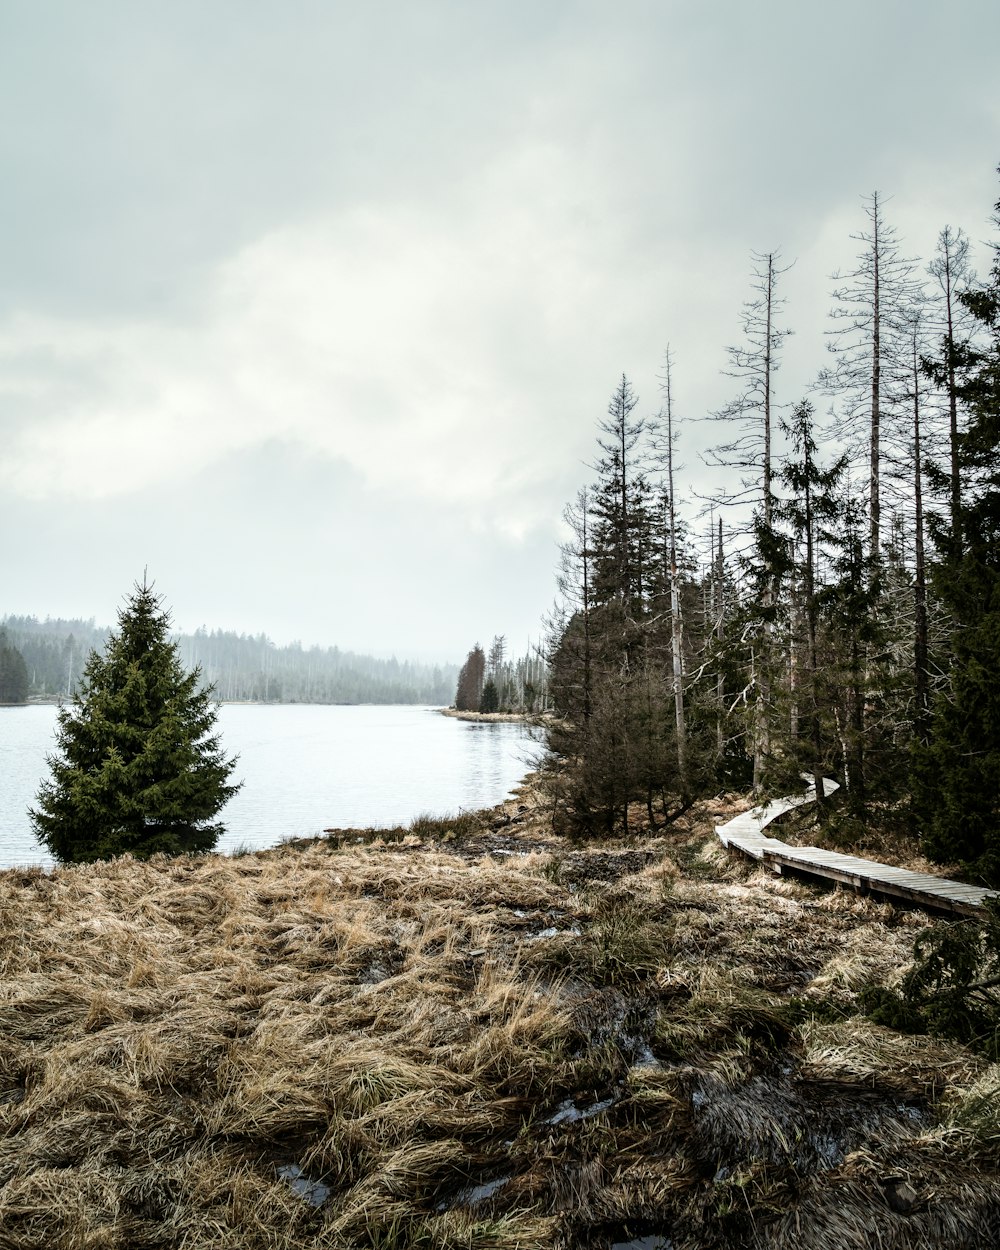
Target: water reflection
305,768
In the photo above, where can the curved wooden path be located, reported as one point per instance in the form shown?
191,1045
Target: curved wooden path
746,833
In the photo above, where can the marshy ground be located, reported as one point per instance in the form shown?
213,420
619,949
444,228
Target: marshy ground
474,1035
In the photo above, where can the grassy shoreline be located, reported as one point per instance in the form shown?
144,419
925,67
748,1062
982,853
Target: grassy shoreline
526,718
473,1034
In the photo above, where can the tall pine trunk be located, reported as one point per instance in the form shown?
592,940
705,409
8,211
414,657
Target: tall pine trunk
676,620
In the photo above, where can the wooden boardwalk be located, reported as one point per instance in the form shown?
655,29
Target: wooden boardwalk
746,833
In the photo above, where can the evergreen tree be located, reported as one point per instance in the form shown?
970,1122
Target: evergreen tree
810,513
952,268
850,603
618,652
665,438
620,502
572,640
470,681
728,628
957,775
752,416
13,673
868,337
496,676
749,418
138,768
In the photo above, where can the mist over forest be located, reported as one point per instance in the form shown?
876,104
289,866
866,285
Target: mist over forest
241,667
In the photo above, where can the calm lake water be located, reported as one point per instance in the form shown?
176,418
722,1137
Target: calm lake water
305,768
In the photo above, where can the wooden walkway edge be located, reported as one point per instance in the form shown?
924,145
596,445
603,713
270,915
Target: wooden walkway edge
746,833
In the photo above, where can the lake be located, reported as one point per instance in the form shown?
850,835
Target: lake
305,768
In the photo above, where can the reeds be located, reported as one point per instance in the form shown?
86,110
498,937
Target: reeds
339,1044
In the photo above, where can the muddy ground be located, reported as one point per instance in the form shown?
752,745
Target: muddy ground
474,1034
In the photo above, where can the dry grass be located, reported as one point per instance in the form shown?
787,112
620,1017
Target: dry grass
888,837
474,1037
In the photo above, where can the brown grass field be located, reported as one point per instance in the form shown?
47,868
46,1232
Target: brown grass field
473,1035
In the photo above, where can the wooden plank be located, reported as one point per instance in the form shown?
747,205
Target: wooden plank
745,833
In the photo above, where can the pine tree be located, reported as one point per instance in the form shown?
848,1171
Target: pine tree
618,654
810,513
850,607
754,415
665,438
470,681
619,502
753,363
957,775
495,676
138,768
13,673
572,638
868,337
952,269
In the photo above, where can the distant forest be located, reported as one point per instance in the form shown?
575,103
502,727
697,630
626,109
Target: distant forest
499,683
242,668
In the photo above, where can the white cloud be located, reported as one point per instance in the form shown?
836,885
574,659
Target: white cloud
409,341
361,289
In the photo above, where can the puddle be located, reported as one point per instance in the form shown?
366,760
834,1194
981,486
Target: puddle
568,1112
812,1125
473,1194
479,1193
314,1192
642,1056
829,1150
552,932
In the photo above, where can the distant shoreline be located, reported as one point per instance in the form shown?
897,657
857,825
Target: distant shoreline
53,700
527,718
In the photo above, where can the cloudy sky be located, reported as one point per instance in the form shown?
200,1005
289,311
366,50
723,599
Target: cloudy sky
312,307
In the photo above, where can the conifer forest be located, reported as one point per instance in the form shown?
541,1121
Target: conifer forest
239,667
835,610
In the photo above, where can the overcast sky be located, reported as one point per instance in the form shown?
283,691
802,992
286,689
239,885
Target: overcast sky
312,307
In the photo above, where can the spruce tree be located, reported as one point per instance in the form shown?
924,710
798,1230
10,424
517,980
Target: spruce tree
138,767
868,339
957,775
811,513
470,681
13,673
618,502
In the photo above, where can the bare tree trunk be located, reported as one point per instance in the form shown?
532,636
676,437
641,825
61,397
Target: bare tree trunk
676,621
951,267
857,785
587,648
874,503
762,727
793,670
720,613
921,688
811,617
956,476
624,572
